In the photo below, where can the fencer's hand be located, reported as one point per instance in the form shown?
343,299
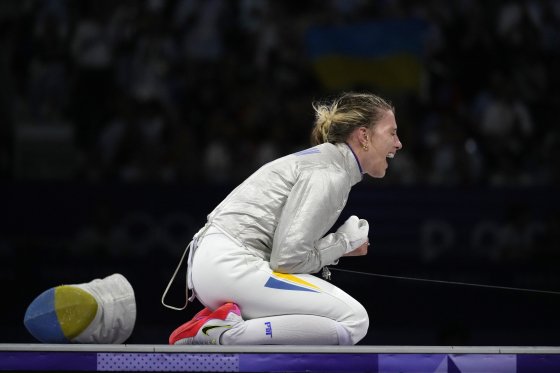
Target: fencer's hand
360,251
356,232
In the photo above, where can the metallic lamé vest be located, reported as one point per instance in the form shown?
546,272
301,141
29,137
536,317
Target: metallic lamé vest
282,212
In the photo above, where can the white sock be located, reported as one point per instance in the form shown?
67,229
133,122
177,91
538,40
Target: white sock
286,330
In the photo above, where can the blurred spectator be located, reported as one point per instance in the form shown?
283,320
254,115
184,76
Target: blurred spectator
152,88
506,127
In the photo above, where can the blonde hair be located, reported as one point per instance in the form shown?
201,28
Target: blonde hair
335,120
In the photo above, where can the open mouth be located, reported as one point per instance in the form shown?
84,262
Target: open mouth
391,155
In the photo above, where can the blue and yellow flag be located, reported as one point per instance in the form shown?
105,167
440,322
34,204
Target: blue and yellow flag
384,54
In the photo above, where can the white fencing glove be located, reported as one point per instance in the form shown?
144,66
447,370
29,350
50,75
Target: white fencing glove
356,232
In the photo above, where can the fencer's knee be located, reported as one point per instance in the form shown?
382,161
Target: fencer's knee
361,325
356,326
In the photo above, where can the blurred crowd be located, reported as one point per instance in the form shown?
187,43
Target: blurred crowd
205,91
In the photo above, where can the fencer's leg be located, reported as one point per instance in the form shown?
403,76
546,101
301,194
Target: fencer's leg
325,315
226,326
287,329
100,311
301,309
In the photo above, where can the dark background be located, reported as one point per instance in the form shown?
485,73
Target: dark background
123,124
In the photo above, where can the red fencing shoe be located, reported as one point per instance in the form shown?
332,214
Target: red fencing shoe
203,314
207,330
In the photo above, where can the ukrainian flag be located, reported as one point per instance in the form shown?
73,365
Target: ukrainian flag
386,55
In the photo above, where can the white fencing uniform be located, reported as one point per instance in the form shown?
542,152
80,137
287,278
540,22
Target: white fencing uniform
262,243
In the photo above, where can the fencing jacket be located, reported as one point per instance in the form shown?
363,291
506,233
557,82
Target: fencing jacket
282,212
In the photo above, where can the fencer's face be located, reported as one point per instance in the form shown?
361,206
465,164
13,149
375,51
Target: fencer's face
382,143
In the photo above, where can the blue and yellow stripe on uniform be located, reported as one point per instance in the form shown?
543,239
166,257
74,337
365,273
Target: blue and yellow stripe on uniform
285,281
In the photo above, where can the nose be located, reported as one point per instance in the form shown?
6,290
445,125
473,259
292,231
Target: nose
398,143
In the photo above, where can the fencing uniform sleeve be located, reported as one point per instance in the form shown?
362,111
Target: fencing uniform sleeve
312,207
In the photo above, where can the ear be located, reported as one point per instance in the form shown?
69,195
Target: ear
363,135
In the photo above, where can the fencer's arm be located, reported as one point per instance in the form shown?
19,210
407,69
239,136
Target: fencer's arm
311,209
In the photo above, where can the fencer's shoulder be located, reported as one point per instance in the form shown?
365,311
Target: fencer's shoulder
324,153
326,173
321,161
